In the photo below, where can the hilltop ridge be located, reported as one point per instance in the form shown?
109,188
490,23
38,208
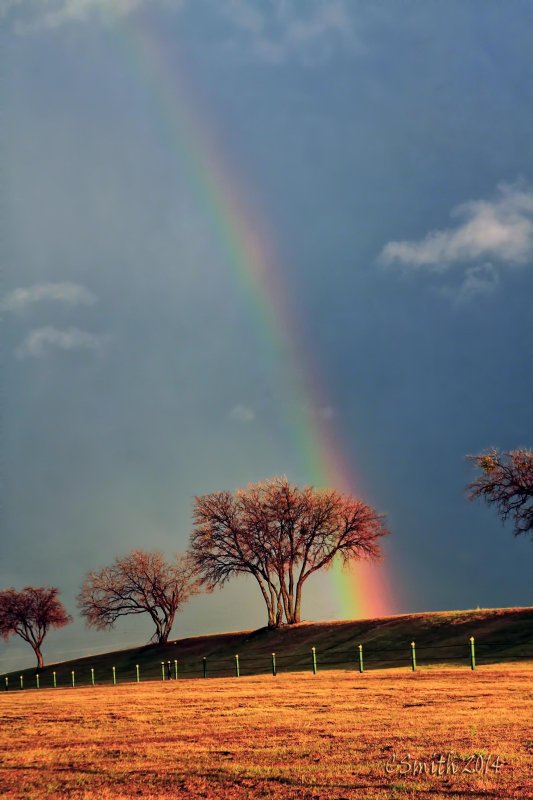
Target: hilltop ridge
501,634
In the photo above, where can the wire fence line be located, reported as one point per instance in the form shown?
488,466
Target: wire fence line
360,658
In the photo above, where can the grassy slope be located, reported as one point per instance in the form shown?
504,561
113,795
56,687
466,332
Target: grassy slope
441,637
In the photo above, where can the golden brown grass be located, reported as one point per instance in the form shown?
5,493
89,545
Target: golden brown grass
293,736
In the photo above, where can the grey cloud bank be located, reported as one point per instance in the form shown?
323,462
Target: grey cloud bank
165,386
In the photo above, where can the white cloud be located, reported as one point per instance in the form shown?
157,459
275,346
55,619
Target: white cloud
500,230
271,32
329,17
49,14
55,14
479,281
7,5
287,28
40,341
244,16
241,413
71,293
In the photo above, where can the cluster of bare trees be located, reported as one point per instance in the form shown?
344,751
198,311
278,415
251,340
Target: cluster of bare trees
278,533
139,583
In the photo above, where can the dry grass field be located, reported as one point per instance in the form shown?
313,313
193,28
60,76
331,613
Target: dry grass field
437,733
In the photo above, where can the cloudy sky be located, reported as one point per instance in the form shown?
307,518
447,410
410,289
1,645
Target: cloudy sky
222,217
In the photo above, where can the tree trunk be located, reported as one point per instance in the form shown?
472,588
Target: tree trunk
285,598
39,655
291,596
297,605
268,602
296,614
160,636
165,629
279,611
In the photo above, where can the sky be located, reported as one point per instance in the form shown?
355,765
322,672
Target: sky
245,238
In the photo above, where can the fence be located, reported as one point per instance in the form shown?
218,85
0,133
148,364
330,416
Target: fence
358,658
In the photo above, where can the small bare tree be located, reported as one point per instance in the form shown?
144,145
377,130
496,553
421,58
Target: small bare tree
139,583
30,614
281,535
506,481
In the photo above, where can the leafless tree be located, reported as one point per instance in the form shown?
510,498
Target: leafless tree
280,534
506,481
139,583
30,614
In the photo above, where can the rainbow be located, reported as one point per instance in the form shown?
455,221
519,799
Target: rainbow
363,590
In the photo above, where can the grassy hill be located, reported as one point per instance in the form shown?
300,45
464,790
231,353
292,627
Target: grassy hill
501,635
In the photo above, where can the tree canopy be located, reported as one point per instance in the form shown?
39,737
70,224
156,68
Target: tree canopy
506,481
139,583
30,613
280,534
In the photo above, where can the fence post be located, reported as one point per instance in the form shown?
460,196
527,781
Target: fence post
274,671
204,660
360,648
92,675
22,681
137,673
73,679
413,657
37,680
54,679
114,677
162,670
237,668
472,653
313,652
176,668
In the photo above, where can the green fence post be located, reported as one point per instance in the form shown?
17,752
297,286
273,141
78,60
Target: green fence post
313,651
274,671
37,680
205,666
237,668
92,675
176,668
472,653
361,667
73,679
114,677
54,679
413,657
162,670
137,672
22,681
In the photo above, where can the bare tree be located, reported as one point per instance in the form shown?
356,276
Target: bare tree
30,614
506,481
280,534
139,583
